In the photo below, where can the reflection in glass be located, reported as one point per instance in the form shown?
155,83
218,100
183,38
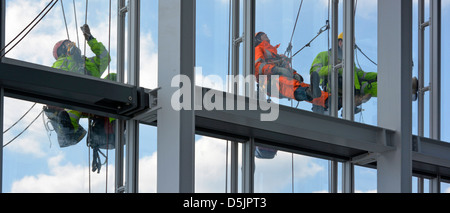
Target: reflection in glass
282,172
365,180
211,165
68,37
284,47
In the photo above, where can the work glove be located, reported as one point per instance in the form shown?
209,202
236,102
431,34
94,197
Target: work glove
87,32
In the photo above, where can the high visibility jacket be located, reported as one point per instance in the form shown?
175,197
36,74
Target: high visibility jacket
362,79
94,66
266,58
265,55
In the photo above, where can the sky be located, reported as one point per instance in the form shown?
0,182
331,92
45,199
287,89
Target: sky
35,163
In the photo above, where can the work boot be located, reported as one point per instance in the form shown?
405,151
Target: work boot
315,90
66,138
415,89
65,122
362,99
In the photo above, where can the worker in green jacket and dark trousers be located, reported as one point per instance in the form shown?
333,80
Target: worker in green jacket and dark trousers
68,57
366,85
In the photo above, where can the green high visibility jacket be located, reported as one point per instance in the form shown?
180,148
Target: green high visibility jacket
94,66
320,65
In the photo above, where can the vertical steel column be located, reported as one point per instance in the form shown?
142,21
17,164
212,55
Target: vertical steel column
394,99
119,164
176,129
1,137
249,50
132,149
435,69
235,7
349,61
421,66
333,177
248,166
2,94
348,84
348,179
421,75
435,185
333,165
334,77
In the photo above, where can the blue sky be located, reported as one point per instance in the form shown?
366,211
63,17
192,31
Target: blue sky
35,163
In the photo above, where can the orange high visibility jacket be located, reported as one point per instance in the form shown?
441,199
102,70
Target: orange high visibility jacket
266,58
265,55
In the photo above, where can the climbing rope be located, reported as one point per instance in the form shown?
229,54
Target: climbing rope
45,11
26,128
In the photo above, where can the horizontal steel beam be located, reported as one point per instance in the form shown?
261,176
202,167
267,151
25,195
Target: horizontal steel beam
431,157
295,129
311,134
36,83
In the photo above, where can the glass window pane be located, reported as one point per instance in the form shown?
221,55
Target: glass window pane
149,44
366,58
365,180
211,165
212,44
85,53
283,172
275,23
147,158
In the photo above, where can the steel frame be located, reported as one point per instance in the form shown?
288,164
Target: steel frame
390,147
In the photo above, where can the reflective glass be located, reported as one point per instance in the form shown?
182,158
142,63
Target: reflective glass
147,158
415,185
212,44
212,168
366,59
48,151
277,24
445,187
283,172
149,44
365,180
88,51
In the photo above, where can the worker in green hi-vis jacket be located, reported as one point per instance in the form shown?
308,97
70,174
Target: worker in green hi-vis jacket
68,57
366,85
365,82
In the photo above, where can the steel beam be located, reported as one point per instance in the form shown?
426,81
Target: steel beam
421,68
321,134
248,166
2,105
235,65
394,102
88,94
334,85
120,124
435,69
249,50
132,126
348,99
176,129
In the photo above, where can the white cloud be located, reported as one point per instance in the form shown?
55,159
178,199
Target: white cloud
67,178
276,174
149,62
